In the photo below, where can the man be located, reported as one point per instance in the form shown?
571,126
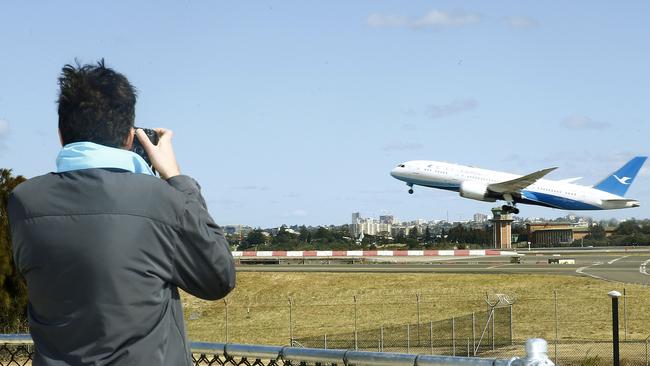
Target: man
104,244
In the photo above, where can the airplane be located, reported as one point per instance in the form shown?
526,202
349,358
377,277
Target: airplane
490,186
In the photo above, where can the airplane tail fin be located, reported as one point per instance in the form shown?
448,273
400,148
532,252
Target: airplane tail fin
618,182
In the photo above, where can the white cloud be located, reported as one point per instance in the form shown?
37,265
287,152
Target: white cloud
379,20
402,146
579,122
455,107
432,19
4,132
519,21
4,127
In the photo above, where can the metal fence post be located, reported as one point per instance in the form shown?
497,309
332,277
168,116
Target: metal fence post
511,342
494,315
381,337
474,333
556,324
408,338
431,335
453,335
325,341
625,311
467,346
417,299
356,346
646,351
290,321
225,302
615,343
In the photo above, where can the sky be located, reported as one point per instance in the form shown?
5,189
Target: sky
294,112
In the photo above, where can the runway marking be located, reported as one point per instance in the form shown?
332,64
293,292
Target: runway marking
614,260
642,268
581,271
498,265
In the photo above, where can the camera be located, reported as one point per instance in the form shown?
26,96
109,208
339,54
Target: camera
137,146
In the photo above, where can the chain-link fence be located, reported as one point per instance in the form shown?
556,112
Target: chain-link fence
552,315
597,353
468,335
12,354
564,353
17,349
585,352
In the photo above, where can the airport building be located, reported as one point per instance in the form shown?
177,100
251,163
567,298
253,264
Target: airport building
552,234
501,229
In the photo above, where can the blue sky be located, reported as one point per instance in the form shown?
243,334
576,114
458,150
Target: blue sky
294,112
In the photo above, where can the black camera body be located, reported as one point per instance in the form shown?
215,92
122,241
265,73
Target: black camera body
137,146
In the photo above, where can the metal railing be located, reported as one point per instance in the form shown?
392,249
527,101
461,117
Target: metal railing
18,349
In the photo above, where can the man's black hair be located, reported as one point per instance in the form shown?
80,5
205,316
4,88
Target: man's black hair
96,104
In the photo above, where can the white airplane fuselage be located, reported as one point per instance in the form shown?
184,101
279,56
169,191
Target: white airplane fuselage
473,183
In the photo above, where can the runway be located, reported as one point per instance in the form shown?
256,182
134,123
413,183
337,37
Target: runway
618,267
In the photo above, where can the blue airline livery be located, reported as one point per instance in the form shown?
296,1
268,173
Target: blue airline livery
490,186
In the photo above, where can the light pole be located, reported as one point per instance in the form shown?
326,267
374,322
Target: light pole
615,295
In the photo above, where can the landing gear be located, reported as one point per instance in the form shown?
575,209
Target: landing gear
410,187
510,209
411,191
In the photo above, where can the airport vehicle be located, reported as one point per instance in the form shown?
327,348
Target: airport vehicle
490,186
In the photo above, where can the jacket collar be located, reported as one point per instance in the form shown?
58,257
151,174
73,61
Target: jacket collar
88,155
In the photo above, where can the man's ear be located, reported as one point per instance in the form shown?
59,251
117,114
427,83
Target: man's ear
60,137
128,142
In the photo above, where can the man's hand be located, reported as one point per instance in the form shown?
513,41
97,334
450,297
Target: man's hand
162,155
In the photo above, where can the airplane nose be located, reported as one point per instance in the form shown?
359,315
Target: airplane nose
398,172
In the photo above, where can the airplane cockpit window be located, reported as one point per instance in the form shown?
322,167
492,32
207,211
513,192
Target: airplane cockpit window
402,166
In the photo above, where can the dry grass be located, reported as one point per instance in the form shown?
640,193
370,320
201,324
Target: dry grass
323,303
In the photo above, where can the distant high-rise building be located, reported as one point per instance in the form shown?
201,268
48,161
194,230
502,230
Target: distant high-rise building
480,218
387,219
368,226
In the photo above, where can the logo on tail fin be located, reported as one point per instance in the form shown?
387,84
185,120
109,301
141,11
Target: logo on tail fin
623,180
618,182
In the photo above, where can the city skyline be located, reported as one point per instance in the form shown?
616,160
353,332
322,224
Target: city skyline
397,220
294,112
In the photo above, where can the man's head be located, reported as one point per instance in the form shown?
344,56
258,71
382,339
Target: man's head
96,104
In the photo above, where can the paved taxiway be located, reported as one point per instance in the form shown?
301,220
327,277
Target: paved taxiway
619,267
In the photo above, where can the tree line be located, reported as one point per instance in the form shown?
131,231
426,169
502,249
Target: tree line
339,238
630,232
13,290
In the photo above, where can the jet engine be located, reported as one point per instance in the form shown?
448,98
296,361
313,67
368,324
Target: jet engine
475,190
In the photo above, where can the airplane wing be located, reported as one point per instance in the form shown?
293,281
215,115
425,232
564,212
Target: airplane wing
517,184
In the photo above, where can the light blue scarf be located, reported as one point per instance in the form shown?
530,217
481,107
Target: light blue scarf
87,155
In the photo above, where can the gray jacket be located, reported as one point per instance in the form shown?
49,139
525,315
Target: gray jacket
103,252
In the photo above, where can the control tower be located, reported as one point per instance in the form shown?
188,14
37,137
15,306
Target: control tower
501,228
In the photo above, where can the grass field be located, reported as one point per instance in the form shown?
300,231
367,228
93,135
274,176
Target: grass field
323,303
